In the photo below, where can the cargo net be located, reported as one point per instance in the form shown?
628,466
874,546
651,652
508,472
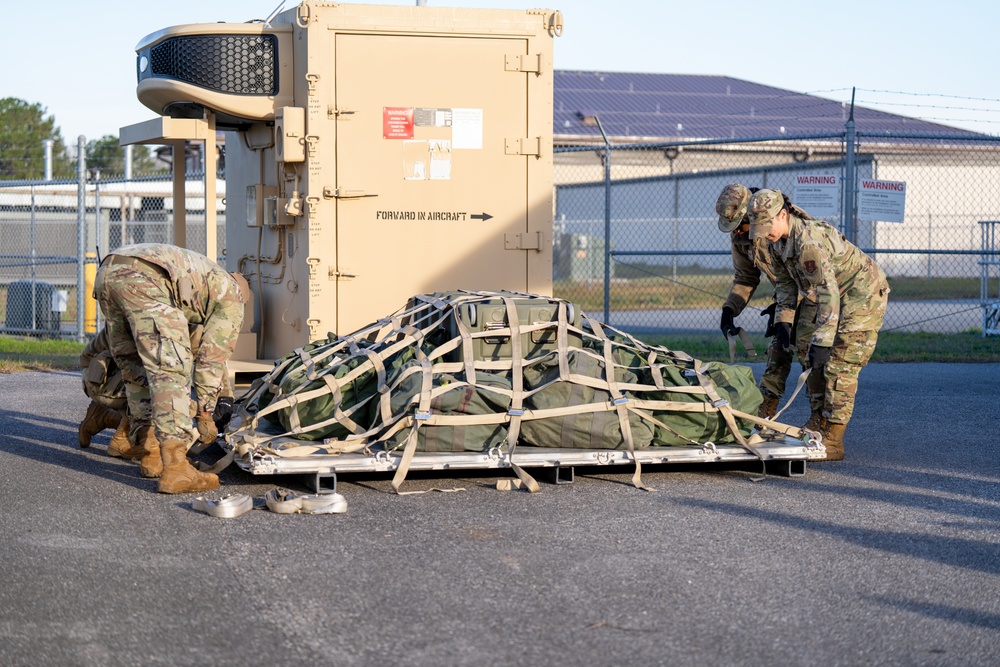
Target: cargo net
474,371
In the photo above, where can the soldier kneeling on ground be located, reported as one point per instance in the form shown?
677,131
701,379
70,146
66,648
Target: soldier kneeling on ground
104,385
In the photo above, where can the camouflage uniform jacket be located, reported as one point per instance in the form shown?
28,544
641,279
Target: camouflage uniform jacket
747,270
816,261
207,296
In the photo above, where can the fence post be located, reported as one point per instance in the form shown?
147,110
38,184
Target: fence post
81,228
47,146
849,176
607,221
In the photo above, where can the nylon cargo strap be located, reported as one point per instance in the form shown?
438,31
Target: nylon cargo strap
516,410
227,507
412,326
722,405
619,401
217,467
744,338
803,376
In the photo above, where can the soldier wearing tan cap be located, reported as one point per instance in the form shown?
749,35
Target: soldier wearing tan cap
814,260
749,263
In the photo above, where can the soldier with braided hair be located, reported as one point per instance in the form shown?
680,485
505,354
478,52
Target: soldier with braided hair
813,260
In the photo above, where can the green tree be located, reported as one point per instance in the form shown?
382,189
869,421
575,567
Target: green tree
108,156
23,128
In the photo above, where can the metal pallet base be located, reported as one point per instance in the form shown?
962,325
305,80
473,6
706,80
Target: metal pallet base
785,457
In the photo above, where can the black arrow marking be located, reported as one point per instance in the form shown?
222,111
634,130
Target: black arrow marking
481,216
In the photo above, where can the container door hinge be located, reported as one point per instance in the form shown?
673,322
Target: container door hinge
523,241
523,146
339,114
531,62
312,204
343,193
344,274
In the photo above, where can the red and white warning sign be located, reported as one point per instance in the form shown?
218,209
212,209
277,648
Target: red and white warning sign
884,201
397,122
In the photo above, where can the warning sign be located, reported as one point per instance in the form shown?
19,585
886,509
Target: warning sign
818,194
397,122
884,201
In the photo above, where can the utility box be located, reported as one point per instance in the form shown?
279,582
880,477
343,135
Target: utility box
374,152
31,306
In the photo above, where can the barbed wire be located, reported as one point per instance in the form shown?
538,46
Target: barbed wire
900,92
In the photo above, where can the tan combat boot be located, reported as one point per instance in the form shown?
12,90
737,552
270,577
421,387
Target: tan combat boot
179,476
833,440
769,406
120,446
96,420
151,462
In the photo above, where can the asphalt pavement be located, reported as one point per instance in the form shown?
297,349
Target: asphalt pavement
891,557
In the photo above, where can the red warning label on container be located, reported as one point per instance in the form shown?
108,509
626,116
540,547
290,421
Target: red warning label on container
397,122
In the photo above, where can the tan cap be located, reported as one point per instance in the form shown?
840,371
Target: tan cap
732,206
764,205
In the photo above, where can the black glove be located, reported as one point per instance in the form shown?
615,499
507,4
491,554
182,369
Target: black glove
223,412
769,311
727,325
818,356
783,334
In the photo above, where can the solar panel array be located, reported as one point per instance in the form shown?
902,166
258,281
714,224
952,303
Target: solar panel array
685,107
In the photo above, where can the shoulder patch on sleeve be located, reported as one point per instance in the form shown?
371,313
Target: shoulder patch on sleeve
812,264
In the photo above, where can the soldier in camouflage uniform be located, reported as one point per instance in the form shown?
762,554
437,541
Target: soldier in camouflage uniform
103,383
152,296
812,258
750,260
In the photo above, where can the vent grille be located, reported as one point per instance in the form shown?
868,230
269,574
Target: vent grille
237,64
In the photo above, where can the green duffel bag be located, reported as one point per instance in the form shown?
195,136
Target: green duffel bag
321,408
464,399
597,429
295,370
733,383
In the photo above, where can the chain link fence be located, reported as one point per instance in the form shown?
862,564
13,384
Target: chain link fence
636,238
52,231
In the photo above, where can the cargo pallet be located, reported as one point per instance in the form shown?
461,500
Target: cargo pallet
785,456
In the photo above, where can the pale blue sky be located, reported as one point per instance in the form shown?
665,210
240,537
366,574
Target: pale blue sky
77,58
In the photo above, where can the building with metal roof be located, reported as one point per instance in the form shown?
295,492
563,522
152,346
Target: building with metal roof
651,152
639,107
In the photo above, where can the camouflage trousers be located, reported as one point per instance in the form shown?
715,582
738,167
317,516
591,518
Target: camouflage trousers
779,361
779,365
103,383
832,392
150,341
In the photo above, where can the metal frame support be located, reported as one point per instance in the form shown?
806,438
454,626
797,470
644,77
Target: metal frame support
559,474
322,482
175,132
787,467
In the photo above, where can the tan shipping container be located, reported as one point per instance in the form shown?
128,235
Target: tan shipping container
375,152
